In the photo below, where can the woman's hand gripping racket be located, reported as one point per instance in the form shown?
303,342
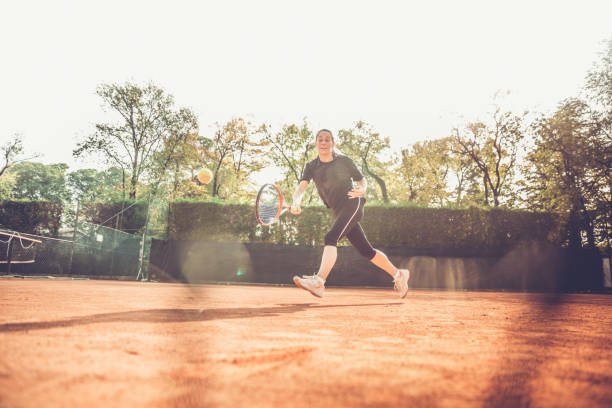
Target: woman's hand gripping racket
270,204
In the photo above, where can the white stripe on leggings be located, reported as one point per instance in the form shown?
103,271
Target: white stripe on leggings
350,219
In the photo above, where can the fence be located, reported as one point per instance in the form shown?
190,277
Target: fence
84,248
539,266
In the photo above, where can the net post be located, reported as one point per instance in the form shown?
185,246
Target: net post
118,225
9,256
76,225
141,270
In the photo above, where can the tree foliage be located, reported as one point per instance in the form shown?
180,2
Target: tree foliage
424,170
562,171
493,150
11,152
177,155
152,146
146,124
235,152
41,182
599,90
368,148
95,185
289,150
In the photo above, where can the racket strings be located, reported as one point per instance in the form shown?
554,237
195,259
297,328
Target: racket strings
268,213
268,206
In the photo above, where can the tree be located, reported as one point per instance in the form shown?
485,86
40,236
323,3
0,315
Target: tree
367,147
7,183
493,150
37,181
424,171
146,119
599,91
411,178
467,186
10,152
235,154
290,149
179,164
94,185
599,86
562,174
178,154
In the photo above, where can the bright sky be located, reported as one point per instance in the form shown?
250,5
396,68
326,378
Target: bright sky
410,69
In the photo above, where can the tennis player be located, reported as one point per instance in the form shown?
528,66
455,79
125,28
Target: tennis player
333,175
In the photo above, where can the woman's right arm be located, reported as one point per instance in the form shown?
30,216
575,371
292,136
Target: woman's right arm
297,197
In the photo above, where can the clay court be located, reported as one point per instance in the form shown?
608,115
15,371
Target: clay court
87,343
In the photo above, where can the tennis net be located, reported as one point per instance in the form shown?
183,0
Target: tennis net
90,250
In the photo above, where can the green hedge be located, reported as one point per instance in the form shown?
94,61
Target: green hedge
43,217
451,228
132,220
385,226
33,217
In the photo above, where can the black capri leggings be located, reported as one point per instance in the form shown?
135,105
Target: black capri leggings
347,225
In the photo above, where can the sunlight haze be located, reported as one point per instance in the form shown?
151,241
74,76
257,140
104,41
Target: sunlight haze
412,70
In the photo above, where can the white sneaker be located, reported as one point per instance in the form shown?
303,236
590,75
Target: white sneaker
401,282
313,284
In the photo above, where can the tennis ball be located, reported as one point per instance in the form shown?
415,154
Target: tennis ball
204,176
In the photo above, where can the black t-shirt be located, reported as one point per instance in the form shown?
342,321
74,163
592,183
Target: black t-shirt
333,179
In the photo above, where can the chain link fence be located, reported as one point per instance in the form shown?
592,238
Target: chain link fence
86,249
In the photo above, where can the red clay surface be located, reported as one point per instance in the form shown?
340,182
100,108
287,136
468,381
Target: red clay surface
68,343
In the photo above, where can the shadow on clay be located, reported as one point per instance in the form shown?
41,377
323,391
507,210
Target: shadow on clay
176,315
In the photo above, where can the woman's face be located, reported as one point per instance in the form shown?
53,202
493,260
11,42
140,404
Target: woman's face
325,143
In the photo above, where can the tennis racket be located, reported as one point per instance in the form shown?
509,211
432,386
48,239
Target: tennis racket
270,204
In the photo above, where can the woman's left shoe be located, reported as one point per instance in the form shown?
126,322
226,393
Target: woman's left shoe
313,284
401,282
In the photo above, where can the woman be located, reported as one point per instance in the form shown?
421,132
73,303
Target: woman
333,175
